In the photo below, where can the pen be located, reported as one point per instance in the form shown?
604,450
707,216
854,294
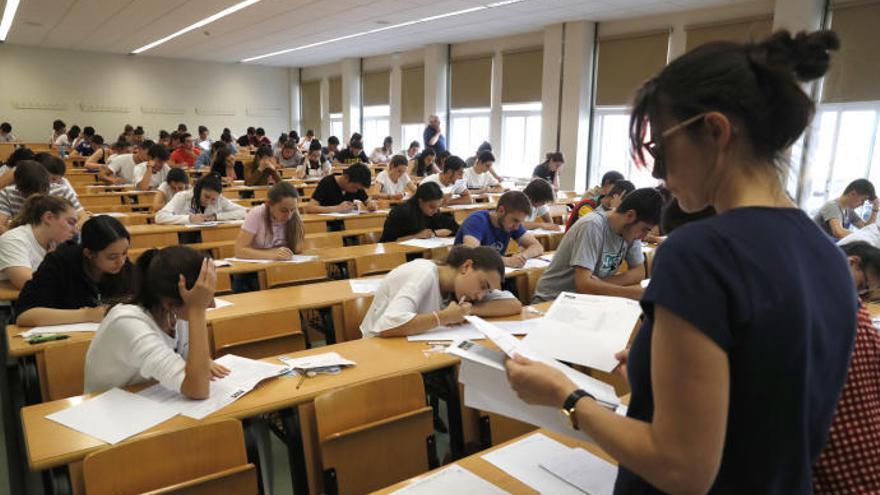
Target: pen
302,378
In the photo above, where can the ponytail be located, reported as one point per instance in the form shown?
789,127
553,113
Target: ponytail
38,205
158,275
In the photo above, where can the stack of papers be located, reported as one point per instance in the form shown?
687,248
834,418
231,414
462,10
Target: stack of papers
244,375
530,263
452,479
433,242
544,232
328,362
365,285
548,466
220,303
52,329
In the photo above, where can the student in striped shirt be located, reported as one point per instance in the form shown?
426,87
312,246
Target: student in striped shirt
32,178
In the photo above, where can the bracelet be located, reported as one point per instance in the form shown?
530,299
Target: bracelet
437,317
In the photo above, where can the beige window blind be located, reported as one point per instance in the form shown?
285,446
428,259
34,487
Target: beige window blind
741,30
412,95
472,83
336,95
376,88
521,76
625,62
310,95
854,74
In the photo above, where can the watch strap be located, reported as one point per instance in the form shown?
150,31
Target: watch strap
574,397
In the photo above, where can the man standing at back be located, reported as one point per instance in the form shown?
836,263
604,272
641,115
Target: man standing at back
433,135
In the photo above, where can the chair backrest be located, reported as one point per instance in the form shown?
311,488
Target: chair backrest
64,367
258,335
294,273
364,222
314,227
385,421
353,312
322,241
219,234
377,263
202,459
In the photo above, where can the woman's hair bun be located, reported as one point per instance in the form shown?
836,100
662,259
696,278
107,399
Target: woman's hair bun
806,54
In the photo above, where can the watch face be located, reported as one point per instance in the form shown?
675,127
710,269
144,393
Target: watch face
565,417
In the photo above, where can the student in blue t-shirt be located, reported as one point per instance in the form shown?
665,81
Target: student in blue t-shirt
750,315
496,228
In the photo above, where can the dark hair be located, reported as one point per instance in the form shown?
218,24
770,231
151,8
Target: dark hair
100,231
139,131
159,274
73,132
554,156
333,140
862,187
18,155
183,136
294,136
421,166
177,175
289,145
414,144
38,205
539,191
263,151
158,152
315,145
163,134
483,258
261,131
484,146
359,174
211,182
310,133
218,166
217,146
755,84
673,217
869,256
226,138
97,139
485,156
202,129
54,165
58,125
5,127
251,130
515,201
243,141
284,138
388,144
611,177
397,160
646,202
355,137
128,128
120,144
31,177
294,230
89,131
181,128
427,191
356,144
146,144
453,163
443,156
622,186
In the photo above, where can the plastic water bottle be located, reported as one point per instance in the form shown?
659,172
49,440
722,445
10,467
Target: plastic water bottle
62,152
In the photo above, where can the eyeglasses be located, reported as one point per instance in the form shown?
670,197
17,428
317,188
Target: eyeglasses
654,147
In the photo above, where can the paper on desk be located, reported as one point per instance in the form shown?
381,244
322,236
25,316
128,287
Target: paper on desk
469,332
586,329
324,360
114,214
113,416
431,243
365,285
244,375
201,225
352,213
530,263
462,207
219,263
220,303
451,479
249,260
300,258
544,232
644,283
70,328
520,460
583,470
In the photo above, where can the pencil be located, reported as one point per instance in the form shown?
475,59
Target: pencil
302,378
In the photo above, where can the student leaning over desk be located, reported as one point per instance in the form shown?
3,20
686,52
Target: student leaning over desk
203,203
736,371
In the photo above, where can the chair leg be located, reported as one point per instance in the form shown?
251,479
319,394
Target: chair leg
296,456
331,484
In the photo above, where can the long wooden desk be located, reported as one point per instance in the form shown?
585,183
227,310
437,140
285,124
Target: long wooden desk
8,292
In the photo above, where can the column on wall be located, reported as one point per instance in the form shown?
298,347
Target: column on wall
550,87
351,97
435,90
495,116
577,93
294,118
310,115
395,86
331,99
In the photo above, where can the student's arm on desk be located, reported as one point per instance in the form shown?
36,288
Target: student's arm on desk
499,307
314,207
421,323
18,275
159,200
40,316
679,451
837,229
531,248
243,249
632,276
464,199
585,283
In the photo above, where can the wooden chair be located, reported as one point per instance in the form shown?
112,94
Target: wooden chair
258,335
295,273
199,460
353,312
63,368
385,421
377,263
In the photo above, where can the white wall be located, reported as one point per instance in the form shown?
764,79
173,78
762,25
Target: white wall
216,95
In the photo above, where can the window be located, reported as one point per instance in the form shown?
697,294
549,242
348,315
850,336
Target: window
520,139
470,127
611,149
336,128
846,146
377,122
410,133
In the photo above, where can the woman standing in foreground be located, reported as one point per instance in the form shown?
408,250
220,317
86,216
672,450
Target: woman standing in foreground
749,325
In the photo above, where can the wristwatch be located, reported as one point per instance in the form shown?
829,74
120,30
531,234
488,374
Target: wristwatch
568,407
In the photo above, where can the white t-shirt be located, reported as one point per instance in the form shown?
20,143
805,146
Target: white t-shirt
869,233
391,187
130,348
477,180
538,212
458,187
62,140
123,166
19,247
158,177
409,290
178,210
165,189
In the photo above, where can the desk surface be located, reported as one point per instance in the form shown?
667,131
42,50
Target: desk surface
8,292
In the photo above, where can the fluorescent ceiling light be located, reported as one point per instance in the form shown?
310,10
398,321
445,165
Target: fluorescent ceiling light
204,22
387,28
8,15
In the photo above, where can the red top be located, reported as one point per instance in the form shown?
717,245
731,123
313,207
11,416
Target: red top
178,156
850,461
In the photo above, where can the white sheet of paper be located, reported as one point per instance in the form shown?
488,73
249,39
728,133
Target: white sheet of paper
249,260
220,303
340,214
323,360
451,479
462,207
301,258
219,263
583,470
365,286
433,242
520,327
201,225
460,332
69,328
586,329
244,375
544,232
520,460
644,283
113,416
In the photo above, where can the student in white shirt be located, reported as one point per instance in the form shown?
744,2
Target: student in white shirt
383,155
58,129
540,193
44,222
479,177
120,170
204,141
412,152
452,183
153,172
6,135
163,335
393,183
314,164
411,298
203,203
176,182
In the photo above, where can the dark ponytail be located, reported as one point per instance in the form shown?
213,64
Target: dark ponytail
755,84
482,257
159,272
427,191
